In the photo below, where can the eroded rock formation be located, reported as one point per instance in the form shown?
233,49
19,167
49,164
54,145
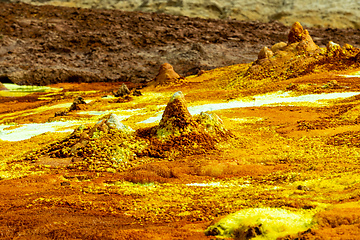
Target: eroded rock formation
300,56
299,41
166,75
301,37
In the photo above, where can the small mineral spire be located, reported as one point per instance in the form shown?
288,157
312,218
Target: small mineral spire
78,104
333,47
296,33
176,113
301,36
122,91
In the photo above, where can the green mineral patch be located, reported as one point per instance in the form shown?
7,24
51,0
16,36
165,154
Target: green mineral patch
262,224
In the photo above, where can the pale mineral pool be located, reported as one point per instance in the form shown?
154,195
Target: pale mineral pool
273,99
26,131
39,110
116,111
216,184
354,74
15,90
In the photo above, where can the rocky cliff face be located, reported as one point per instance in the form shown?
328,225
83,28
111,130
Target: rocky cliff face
42,45
336,13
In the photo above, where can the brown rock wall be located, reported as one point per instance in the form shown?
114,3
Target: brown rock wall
338,13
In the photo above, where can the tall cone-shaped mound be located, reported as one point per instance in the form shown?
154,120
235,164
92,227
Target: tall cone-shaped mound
166,75
296,33
176,117
176,112
301,36
179,133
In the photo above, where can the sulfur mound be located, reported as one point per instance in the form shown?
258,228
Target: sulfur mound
109,145
122,91
261,223
176,118
111,122
180,133
166,75
78,104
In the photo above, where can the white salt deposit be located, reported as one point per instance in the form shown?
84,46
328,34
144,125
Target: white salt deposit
355,74
274,99
271,99
115,122
152,119
212,184
177,95
26,131
25,88
247,120
215,184
118,111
